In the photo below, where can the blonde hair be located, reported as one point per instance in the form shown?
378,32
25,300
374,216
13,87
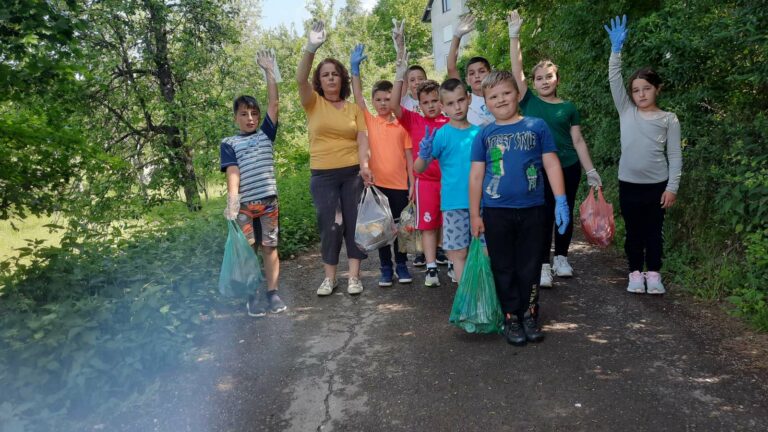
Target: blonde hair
497,77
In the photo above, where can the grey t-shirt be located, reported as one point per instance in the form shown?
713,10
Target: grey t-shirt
645,138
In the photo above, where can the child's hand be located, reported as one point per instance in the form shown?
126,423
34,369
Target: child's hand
668,199
561,214
478,227
233,206
593,178
466,25
356,58
265,60
425,147
398,35
316,37
401,66
514,22
617,32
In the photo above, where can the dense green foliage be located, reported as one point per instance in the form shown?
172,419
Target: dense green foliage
713,57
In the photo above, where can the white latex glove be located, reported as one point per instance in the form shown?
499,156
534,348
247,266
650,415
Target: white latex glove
233,206
593,178
398,35
466,24
268,62
401,66
515,22
316,37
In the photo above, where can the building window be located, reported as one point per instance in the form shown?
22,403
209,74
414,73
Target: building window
446,5
447,33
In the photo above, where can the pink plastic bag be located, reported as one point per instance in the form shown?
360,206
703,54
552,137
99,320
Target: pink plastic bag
597,219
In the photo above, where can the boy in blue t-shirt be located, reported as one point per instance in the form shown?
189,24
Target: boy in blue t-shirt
507,159
248,160
451,145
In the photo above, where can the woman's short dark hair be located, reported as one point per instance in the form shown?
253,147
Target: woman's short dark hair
346,89
645,73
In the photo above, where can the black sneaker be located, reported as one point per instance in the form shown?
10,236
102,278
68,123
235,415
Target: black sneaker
420,260
514,332
276,304
441,258
531,327
256,308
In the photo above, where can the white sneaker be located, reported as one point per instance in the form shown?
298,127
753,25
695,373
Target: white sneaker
546,276
561,266
636,283
354,286
653,279
451,274
326,288
431,280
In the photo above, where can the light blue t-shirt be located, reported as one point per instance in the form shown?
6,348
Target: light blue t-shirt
452,148
513,162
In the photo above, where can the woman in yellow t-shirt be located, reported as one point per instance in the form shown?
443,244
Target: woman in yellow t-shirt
338,158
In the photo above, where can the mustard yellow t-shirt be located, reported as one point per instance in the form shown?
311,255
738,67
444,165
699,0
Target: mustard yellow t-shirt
333,133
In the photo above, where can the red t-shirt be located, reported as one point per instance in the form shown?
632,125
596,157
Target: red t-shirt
415,124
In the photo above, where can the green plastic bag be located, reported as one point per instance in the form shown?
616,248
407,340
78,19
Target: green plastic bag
240,270
476,308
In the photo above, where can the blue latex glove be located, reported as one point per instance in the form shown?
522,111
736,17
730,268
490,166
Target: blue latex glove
562,216
356,58
425,147
617,32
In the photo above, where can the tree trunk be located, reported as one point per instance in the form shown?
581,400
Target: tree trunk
180,154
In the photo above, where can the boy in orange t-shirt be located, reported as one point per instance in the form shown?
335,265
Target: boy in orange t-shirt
391,161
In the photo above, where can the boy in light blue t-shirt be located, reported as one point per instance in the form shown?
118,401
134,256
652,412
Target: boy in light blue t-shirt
451,145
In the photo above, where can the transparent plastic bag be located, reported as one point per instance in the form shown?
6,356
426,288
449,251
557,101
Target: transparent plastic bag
408,237
375,225
476,307
240,269
597,219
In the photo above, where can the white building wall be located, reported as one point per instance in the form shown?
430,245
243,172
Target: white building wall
443,23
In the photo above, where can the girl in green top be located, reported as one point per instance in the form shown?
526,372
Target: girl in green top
562,117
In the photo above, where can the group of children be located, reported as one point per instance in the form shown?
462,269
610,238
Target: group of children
474,165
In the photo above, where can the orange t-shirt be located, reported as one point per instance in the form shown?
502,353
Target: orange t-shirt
388,142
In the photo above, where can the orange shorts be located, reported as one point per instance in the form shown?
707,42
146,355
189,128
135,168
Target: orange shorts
260,217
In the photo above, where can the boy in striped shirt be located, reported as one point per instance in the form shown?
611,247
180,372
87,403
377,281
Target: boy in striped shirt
248,161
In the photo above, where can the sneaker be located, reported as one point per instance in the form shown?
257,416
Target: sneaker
514,332
653,279
276,304
561,266
636,283
431,279
531,327
451,273
327,287
386,277
420,260
403,275
256,308
354,286
440,256
546,276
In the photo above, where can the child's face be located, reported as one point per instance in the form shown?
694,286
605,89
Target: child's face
501,100
429,102
415,77
545,81
476,73
455,103
644,94
330,79
247,119
381,102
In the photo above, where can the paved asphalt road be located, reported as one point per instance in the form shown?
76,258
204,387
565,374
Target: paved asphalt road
388,360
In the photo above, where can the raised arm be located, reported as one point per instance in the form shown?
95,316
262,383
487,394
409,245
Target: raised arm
398,38
266,60
401,66
515,22
466,25
617,33
355,59
315,39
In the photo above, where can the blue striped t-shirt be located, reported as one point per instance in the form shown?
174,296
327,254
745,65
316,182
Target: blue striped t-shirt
254,154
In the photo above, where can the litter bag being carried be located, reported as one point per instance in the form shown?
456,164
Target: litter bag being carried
597,219
476,308
375,225
408,237
240,270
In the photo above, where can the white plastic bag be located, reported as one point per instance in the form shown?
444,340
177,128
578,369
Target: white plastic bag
375,225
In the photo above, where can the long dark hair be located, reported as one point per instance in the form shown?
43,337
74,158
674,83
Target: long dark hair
346,88
645,73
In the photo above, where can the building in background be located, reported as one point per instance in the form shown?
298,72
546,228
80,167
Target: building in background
443,15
